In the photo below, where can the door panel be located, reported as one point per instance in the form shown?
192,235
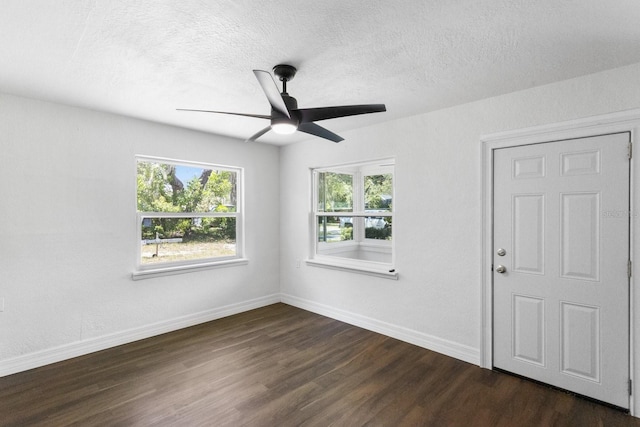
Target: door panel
561,307
580,350
528,331
528,233
580,236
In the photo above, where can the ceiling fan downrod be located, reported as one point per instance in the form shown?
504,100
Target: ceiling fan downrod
285,73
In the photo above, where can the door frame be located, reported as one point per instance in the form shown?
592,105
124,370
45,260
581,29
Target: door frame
625,121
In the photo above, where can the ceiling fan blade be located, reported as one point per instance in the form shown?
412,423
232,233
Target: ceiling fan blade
257,116
314,114
258,134
271,90
314,129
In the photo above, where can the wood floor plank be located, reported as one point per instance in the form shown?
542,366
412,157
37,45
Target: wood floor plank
282,366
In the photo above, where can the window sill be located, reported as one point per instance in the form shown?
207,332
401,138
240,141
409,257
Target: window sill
180,269
371,271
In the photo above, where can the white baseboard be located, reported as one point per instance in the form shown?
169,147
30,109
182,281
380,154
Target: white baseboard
80,348
430,342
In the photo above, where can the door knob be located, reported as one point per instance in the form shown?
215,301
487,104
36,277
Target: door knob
501,269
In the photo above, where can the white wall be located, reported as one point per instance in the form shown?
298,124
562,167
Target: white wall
67,202
438,222
67,232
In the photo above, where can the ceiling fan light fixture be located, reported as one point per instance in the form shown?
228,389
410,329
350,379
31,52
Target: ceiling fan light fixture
284,128
284,125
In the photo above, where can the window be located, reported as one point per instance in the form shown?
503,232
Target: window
189,215
353,216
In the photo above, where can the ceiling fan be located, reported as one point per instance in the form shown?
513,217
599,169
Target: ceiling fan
286,117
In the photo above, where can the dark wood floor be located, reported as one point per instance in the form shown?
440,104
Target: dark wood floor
281,366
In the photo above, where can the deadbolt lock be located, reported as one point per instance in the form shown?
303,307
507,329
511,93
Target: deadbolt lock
501,252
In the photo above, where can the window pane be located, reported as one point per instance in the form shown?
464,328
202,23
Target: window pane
378,192
334,229
378,228
186,239
335,192
164,187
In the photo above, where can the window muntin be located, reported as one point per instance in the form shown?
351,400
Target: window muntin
188,213
354,213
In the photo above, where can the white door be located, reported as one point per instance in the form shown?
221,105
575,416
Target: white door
561,305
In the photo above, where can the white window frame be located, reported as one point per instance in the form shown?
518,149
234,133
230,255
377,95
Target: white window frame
320,252
143,271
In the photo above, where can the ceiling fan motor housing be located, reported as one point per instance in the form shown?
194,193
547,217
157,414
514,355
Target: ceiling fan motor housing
279,118
290,102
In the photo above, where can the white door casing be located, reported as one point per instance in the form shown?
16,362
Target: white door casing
561,309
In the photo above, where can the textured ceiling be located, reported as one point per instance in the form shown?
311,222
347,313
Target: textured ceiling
146,58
